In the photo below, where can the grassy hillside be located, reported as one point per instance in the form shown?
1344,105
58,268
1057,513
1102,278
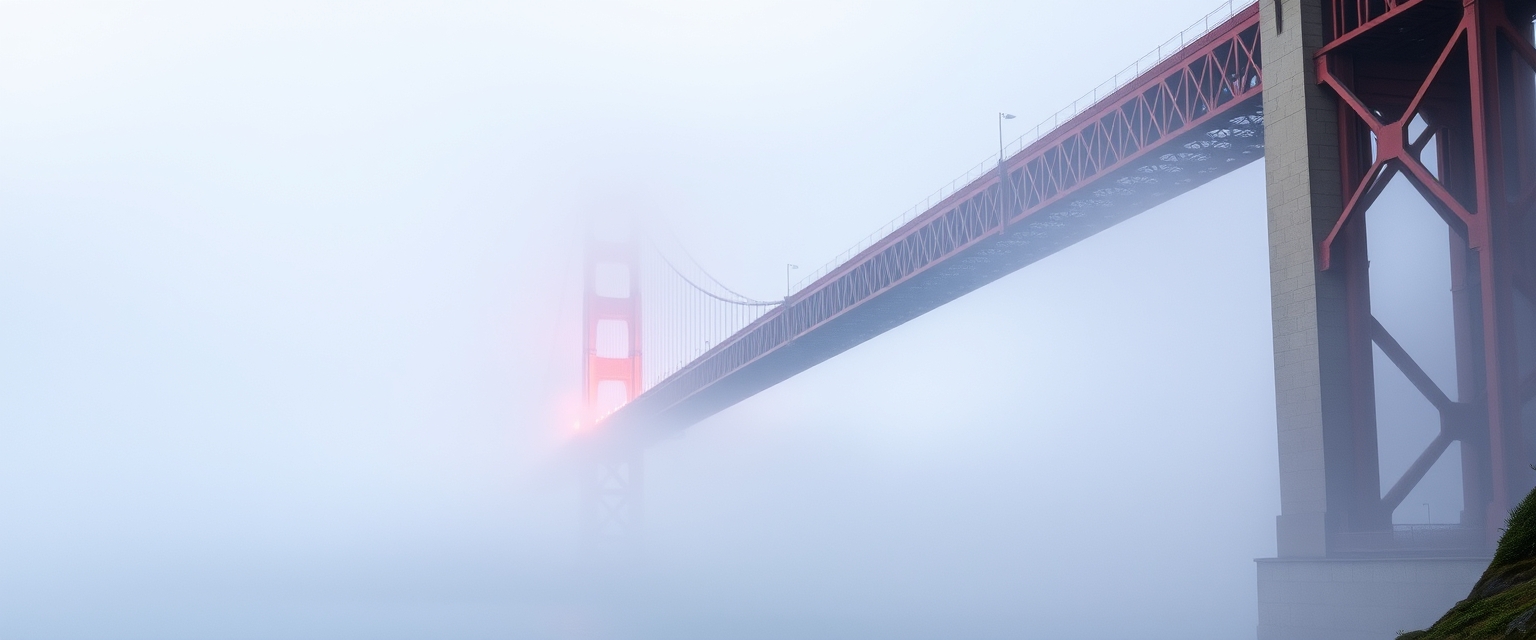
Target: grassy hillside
1502,604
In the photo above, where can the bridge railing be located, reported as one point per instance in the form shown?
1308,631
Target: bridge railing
1437,538
1164,51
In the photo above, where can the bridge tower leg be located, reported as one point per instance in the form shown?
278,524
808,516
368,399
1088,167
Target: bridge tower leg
611,478
1343,80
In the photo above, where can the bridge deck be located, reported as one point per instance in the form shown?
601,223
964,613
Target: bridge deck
1191,118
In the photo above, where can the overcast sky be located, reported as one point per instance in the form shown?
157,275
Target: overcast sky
290,305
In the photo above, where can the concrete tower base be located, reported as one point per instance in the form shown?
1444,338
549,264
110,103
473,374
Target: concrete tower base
1358,598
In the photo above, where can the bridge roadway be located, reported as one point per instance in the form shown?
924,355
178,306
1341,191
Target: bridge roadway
1191,118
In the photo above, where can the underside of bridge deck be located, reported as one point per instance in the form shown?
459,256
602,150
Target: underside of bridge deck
1185,121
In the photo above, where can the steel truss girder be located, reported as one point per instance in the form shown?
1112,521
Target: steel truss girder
1185,122
1193,117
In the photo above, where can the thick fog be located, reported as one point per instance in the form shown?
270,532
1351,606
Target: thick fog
290,335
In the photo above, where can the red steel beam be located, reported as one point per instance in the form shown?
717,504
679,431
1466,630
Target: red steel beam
1465,68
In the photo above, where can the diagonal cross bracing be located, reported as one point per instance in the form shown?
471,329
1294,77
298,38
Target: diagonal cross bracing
1191,118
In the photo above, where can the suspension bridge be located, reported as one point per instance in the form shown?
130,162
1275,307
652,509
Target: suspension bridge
1339,96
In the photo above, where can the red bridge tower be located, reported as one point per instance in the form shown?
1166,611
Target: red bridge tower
611,476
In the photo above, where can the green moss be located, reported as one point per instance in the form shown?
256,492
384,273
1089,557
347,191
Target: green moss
1502,605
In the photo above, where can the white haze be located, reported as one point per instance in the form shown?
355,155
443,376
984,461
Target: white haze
288,332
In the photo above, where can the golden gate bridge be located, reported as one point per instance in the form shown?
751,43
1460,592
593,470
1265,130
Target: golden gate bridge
1339,96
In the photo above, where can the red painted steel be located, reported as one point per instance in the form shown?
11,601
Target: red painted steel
1189,119
1465,69
617,264
611,479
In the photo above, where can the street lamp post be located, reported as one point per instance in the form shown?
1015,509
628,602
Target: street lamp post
1002,175
788,279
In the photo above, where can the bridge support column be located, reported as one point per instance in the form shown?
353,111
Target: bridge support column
1318,446
1344,83
612,507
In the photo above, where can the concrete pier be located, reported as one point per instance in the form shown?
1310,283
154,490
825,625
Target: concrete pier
1358,598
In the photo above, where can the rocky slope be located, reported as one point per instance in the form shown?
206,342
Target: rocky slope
1502,604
